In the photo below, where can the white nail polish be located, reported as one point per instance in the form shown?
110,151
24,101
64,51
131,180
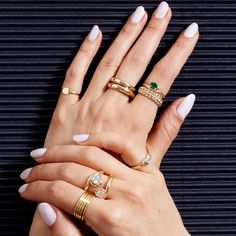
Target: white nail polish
137,16
93,33
38,152
186,105
48,214
80,137
23,188
161,10
25,174
191,30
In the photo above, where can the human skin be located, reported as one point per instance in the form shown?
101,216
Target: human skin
101,109
63,173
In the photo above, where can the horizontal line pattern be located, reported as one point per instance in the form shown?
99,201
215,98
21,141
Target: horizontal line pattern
39,39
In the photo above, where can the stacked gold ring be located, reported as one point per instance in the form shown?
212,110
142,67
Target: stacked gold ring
122,87
152,92
82,204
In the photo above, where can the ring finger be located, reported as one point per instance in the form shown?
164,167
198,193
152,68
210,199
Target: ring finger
68,172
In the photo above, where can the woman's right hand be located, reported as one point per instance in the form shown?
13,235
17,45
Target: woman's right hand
102,109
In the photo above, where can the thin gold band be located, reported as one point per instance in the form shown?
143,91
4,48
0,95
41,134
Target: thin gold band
68,91
82,204
101,192
145,162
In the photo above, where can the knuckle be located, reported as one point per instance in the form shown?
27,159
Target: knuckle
127,30
136,194
90,151
180,45
55,188
85,50
164,71
108,62
65,171
153,27
136,58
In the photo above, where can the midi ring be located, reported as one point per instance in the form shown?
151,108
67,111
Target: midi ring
94,180
82,204
145,162
103,192
152,92
121,89
68,91
122,83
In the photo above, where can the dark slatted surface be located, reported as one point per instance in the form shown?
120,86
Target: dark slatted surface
39,38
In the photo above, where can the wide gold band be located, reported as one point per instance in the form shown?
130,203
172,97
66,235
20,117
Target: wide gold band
155,96
121,89
82,204
122,83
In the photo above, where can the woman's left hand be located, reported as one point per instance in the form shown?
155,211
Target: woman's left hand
138,202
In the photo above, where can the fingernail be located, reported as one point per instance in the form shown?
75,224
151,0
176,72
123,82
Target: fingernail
137,16
80,137
38,152
22,188
162,10
48,214
25,173
93,33
191,30
186,105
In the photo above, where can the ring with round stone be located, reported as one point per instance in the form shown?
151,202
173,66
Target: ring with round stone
145,162
103,192
94,180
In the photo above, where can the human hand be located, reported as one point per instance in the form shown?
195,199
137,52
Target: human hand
101,110
138,202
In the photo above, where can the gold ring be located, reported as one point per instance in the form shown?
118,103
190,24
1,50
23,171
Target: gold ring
152,92
101,192
121,89
122,83
82,204
145,162
67,91
94,180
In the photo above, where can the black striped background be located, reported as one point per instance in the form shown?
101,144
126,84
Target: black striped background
38,39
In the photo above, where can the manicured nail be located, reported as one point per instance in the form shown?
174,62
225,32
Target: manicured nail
22,188
38,152
186,105
137,16
80,137
25,173
161,10
191,30
93,33
48,214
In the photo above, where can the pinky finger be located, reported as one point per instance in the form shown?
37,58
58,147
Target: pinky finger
167,128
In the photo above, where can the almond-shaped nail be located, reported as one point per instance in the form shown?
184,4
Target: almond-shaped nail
186,105
23,188
47,213
191,30
38,152
25,174
161,10
93,33
137,16
80,137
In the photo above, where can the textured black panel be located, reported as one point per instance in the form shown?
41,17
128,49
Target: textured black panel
39,39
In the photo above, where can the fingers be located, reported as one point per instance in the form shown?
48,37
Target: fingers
166,129
135,63
111,61
131,153
88,156
59,224
168,68
59,193
75,74
72,173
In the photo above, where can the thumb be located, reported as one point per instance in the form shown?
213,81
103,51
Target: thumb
167,127
59,224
